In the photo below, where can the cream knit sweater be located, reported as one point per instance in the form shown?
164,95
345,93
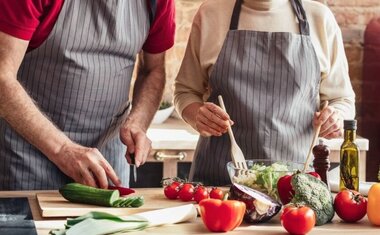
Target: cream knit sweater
210,28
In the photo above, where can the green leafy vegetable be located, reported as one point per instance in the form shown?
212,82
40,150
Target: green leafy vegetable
263,178
314,193
96,223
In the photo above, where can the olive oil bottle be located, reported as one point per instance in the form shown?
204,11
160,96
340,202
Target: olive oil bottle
349,158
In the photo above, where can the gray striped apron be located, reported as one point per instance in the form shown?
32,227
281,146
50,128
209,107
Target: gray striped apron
270,85
80,78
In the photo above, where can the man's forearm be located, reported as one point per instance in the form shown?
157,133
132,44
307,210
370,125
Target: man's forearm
19,110
17,107
147,94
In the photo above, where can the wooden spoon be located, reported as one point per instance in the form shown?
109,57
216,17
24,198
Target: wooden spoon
316,134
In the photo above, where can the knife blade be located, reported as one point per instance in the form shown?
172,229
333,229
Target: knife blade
132,156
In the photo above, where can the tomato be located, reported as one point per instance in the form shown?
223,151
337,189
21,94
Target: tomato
298,220
315,174
350,205
221,216
216,193
171,190
186,193
373,207
200,194
285,189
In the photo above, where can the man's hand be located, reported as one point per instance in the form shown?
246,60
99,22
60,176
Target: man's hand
147,94
137,142
208,118
85,165
331,121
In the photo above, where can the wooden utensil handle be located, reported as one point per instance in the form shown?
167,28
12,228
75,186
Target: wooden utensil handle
316,134
230,133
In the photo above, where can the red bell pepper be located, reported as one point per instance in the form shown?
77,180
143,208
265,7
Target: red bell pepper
221,216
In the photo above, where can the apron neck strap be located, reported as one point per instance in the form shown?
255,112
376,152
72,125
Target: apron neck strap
296,5
301,16
235,15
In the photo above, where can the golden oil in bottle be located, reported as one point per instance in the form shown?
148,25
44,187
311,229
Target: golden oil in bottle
349,158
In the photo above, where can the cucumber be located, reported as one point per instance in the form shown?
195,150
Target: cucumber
118,202
129,202
137,201
80,193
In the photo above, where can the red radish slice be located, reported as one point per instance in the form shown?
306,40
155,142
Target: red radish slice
122,191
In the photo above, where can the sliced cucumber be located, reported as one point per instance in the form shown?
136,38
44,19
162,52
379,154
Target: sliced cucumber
80,193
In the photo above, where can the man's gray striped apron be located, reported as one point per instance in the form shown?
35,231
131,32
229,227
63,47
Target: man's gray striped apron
80,77
270,85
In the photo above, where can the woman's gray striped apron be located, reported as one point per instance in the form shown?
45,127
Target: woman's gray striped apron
80,77
270,85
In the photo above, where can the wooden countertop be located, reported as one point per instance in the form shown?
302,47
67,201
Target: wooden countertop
175,134
272,227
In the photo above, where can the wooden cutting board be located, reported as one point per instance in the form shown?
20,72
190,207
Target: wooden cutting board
52,204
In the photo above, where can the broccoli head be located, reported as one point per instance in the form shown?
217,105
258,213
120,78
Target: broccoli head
313,193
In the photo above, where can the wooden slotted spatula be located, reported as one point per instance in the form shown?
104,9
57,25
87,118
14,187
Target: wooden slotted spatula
236,153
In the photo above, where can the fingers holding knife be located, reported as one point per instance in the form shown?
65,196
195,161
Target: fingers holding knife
137,143
139,151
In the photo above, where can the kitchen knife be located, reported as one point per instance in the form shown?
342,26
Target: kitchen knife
132,156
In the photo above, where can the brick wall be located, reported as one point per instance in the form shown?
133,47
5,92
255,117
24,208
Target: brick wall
186,10
351,15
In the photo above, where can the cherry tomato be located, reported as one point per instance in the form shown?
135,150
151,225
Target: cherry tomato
171,190
216,193
350,205
298,220
186,193
200,194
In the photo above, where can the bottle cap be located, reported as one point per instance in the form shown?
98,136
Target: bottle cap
350,124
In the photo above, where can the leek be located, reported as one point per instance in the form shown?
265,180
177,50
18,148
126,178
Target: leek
97,223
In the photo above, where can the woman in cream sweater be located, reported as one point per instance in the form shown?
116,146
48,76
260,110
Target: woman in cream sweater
273,62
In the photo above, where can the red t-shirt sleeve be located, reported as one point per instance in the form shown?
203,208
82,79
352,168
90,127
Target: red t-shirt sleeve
162,31
20,18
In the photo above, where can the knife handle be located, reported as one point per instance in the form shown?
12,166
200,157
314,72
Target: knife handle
132,156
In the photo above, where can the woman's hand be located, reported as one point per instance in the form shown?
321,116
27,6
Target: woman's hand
208,118
331,121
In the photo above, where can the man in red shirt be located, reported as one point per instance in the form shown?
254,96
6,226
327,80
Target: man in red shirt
65,72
